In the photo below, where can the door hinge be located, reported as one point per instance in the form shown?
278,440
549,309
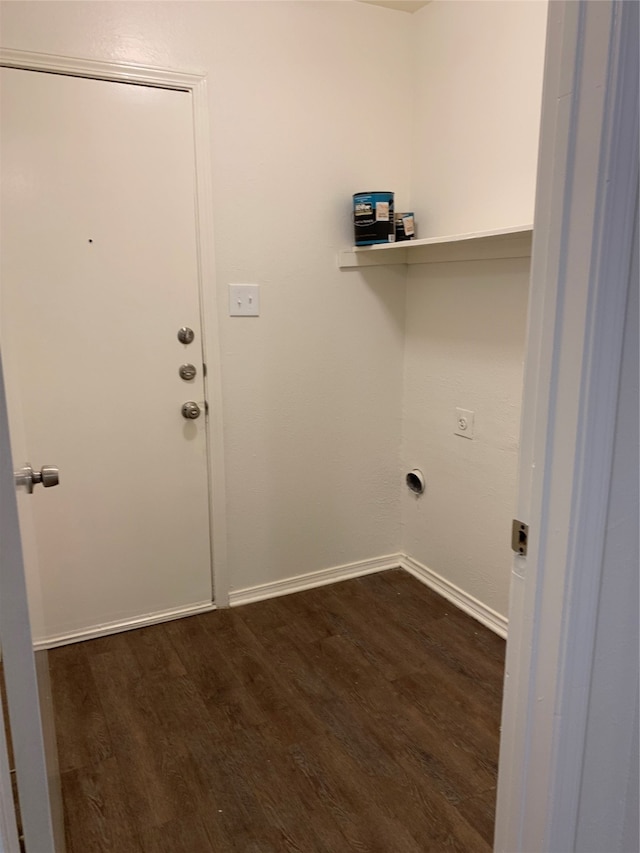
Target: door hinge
519,537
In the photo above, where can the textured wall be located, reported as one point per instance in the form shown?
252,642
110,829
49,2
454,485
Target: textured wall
464,348
478,87
478,70
312,389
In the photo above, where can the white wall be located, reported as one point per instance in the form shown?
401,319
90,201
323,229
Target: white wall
478,84
305,99
478,70
465,333
303,113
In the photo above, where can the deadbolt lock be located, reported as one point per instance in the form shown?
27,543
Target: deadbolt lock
186,335
187,371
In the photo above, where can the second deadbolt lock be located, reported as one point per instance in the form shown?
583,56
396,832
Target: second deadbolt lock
187,371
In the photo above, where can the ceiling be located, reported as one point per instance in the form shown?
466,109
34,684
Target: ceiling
398,5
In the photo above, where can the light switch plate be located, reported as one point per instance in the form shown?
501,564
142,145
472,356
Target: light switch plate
464,423
244,300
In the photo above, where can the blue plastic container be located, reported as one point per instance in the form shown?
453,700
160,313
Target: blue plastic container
373,218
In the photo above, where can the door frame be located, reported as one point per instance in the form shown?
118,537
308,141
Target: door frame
196,85
586,199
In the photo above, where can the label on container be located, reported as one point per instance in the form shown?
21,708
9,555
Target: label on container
405,226
382,211
363,208
409,227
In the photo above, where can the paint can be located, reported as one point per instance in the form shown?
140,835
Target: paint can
405,227
373,218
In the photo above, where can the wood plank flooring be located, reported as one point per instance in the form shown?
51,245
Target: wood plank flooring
362,716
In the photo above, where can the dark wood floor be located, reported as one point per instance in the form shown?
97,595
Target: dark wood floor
358,717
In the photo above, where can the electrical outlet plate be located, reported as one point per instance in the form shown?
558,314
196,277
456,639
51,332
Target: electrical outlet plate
464,423
244,300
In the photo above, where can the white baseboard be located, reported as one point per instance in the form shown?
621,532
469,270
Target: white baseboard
488,617
314,579
122,625
323,577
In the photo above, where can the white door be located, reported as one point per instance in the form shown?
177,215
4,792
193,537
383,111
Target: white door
99,272
26,680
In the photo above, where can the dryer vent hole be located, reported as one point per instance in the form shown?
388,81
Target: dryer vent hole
415,482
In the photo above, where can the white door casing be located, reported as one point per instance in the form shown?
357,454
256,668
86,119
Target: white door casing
132,241
583,237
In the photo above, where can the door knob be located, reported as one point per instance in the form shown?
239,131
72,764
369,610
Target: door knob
190,411
48,475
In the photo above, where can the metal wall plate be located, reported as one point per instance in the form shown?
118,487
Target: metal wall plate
519,537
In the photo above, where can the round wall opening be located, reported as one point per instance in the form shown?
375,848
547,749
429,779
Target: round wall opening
415,481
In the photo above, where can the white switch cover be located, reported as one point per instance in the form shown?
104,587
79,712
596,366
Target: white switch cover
244,300
464,423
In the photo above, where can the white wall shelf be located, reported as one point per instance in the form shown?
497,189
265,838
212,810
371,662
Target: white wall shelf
512,242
